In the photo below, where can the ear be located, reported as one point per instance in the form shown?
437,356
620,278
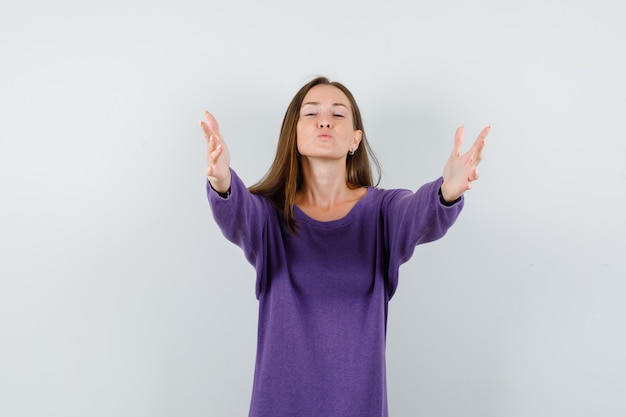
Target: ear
358,136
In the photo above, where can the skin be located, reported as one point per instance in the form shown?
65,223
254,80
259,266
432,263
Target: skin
461,169
325,135
217,154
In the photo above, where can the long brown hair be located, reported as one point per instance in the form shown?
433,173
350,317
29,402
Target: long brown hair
284,178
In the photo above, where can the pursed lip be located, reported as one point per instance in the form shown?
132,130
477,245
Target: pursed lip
324,136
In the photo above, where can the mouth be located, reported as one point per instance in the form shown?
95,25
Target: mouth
324,136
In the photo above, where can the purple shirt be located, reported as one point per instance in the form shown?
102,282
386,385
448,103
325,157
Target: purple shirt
323,295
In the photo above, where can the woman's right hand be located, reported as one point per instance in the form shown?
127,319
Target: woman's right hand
217,155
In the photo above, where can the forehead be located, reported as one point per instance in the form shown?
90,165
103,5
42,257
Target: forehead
325,94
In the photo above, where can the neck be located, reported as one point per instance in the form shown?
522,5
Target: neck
324,183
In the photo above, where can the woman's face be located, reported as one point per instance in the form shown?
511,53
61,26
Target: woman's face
325,127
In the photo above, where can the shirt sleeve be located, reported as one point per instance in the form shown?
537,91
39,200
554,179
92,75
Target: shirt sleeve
413,218
242,218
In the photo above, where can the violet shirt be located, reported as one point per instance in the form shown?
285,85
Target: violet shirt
323,295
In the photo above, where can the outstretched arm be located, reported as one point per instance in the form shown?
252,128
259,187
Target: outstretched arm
461,169
217,155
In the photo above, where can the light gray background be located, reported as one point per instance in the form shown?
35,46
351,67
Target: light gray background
118,294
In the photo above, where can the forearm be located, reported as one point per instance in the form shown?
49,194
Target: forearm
240,215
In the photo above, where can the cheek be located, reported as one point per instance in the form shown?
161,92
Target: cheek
301,130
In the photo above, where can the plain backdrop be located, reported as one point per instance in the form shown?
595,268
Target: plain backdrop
120,297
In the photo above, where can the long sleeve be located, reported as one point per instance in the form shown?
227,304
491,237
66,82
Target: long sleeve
242,217
415,218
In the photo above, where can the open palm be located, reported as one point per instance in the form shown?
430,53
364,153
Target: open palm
461,169
217,154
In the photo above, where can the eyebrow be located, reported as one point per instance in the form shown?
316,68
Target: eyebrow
315,103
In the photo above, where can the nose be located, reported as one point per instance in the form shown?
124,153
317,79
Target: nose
324,120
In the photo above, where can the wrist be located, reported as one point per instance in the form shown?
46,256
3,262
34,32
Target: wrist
445,199
223,194
221,186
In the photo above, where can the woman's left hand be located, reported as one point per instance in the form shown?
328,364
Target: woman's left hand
461,169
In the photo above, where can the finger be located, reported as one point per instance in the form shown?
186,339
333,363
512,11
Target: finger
458,140
207,132
213,168
476,152
215,153
212,124
211,143
483,136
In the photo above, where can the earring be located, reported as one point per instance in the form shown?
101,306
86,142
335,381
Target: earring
351,152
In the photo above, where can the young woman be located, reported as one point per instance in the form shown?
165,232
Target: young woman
327,246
